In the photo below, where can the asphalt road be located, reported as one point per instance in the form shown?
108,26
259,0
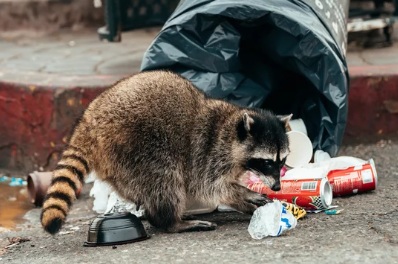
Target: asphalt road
366,232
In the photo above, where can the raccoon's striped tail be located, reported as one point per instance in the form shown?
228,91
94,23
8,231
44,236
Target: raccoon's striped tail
68,179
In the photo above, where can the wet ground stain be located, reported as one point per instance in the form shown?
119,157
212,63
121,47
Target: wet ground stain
14,203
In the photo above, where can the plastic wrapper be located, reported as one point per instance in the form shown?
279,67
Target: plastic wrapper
286,56
296,210
272,219
116,204
108,201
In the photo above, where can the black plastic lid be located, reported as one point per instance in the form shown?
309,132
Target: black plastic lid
115,229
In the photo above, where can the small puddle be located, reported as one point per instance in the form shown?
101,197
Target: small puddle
14,203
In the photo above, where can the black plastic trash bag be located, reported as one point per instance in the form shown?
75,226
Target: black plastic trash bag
287,56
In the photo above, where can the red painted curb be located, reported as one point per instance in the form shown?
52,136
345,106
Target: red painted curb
373,70
373,101
36,119
35,123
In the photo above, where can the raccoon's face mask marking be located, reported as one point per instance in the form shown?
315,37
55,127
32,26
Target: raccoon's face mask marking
266,143
267,170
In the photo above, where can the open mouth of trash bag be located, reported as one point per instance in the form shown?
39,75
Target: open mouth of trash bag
286,56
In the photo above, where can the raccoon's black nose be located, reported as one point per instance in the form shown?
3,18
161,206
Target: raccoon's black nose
276,187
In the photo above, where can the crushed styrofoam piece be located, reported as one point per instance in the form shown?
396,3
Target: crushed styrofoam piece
272,219
106,200
118,204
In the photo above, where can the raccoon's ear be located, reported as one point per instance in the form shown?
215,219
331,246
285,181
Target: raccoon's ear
285,119
244,126
247,121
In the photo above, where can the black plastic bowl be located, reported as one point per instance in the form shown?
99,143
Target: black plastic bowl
115,229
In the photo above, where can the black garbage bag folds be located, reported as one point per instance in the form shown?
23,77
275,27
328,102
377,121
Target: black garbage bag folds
284,55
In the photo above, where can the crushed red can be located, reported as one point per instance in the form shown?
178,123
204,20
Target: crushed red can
352,180
310,194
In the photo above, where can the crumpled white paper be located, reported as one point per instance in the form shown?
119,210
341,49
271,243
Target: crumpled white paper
271,219
100,191
106,200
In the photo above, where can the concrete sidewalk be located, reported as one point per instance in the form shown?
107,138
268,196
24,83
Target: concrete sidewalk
46,81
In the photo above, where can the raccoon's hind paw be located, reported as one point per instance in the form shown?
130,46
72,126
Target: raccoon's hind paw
193,226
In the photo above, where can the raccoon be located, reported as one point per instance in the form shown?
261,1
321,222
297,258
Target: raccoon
157,139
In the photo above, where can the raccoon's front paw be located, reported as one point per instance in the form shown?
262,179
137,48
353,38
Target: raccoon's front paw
259,199
243,207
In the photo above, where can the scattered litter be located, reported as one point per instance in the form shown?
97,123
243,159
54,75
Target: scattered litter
310,194
320,156
297,211
4,178
71,230
12,199
313,186
354,179
118,204
14,241
108,201
333,211
321,210
272,219
38,183
65,232
347,175
300,149
100,191
17,182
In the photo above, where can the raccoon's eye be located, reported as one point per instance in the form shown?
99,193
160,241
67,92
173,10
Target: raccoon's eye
268,162
262,165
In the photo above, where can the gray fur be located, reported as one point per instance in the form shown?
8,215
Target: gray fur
157,139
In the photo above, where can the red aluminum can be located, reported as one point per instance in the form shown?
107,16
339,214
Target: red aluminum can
310,194
354,180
